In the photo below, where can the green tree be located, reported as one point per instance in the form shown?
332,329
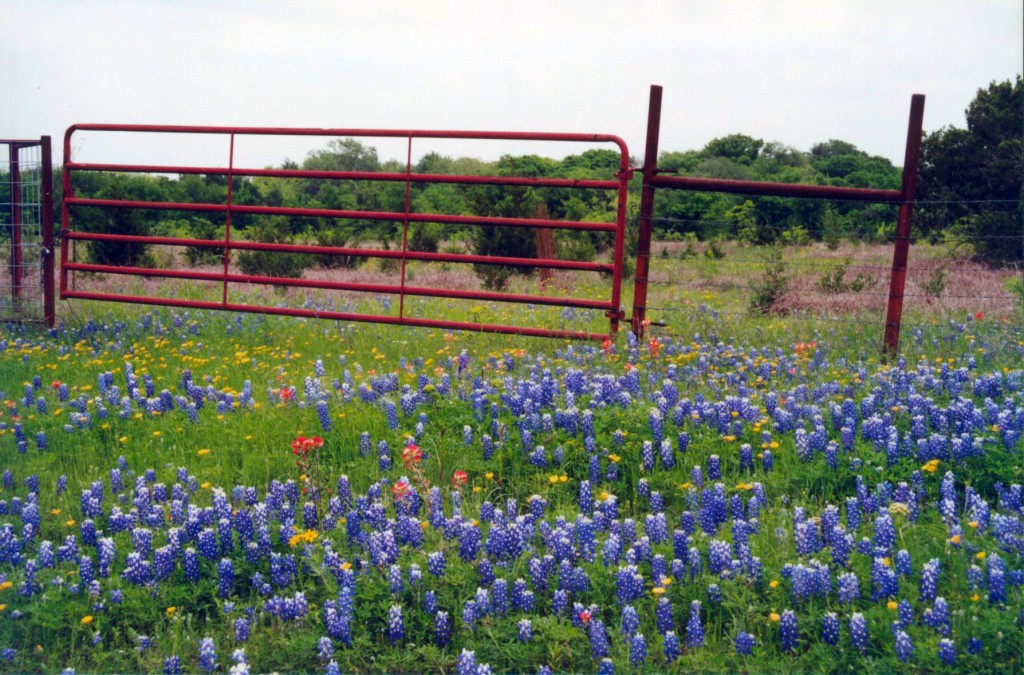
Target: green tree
736,147
972,181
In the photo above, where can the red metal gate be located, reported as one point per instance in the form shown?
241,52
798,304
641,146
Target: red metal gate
616,184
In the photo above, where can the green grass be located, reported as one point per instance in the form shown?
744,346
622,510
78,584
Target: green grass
719,356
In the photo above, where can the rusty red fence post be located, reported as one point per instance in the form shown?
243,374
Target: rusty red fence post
901,249
645,221
46,223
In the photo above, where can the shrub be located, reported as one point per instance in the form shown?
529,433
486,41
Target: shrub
201,228
767,289
118,220
273,263
715,250
336,236
833,281
935,285
510,242
425,237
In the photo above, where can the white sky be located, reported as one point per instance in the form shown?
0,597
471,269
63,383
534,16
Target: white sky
793,71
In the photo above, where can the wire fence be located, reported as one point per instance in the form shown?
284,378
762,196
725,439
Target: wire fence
697,284
21,233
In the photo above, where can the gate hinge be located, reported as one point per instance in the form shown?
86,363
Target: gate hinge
619,314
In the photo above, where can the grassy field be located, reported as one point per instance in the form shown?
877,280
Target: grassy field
203,492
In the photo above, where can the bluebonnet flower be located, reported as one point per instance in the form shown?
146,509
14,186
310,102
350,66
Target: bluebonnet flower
606,667
630,621
745,643
466,663
671,647
930,580
714,468
638,650
904,647
242,627
788,631
599,647
996,580
324,415
325,649
442,629
629,584
525,630
859,632
172,665
225,578
830,629
694,627
947,652
663,615
905,613
903,565
848,588
396,624
207,655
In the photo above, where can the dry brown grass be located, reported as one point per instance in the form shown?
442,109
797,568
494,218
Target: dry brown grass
675,283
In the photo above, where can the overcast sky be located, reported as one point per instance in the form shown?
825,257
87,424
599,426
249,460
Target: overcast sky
793,71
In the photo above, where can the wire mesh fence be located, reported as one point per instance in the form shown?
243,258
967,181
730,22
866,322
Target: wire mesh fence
24,190
695,286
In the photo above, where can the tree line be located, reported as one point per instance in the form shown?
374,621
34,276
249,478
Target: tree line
969,189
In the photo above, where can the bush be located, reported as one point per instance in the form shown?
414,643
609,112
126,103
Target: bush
715,250
833,281
119,220
425,237
201,228
935,285
510,242
336,236
771,285
273,263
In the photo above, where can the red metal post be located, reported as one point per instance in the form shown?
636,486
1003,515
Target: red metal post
227,219
405,225
46,223
901,249
643,255
67,193
15,178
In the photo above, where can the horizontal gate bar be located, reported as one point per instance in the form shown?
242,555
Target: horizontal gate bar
342,250
774,189
339,316
581,183
423,291
336,213
383,133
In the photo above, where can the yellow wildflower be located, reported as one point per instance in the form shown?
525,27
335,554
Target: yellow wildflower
86,620
774,616
203,452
